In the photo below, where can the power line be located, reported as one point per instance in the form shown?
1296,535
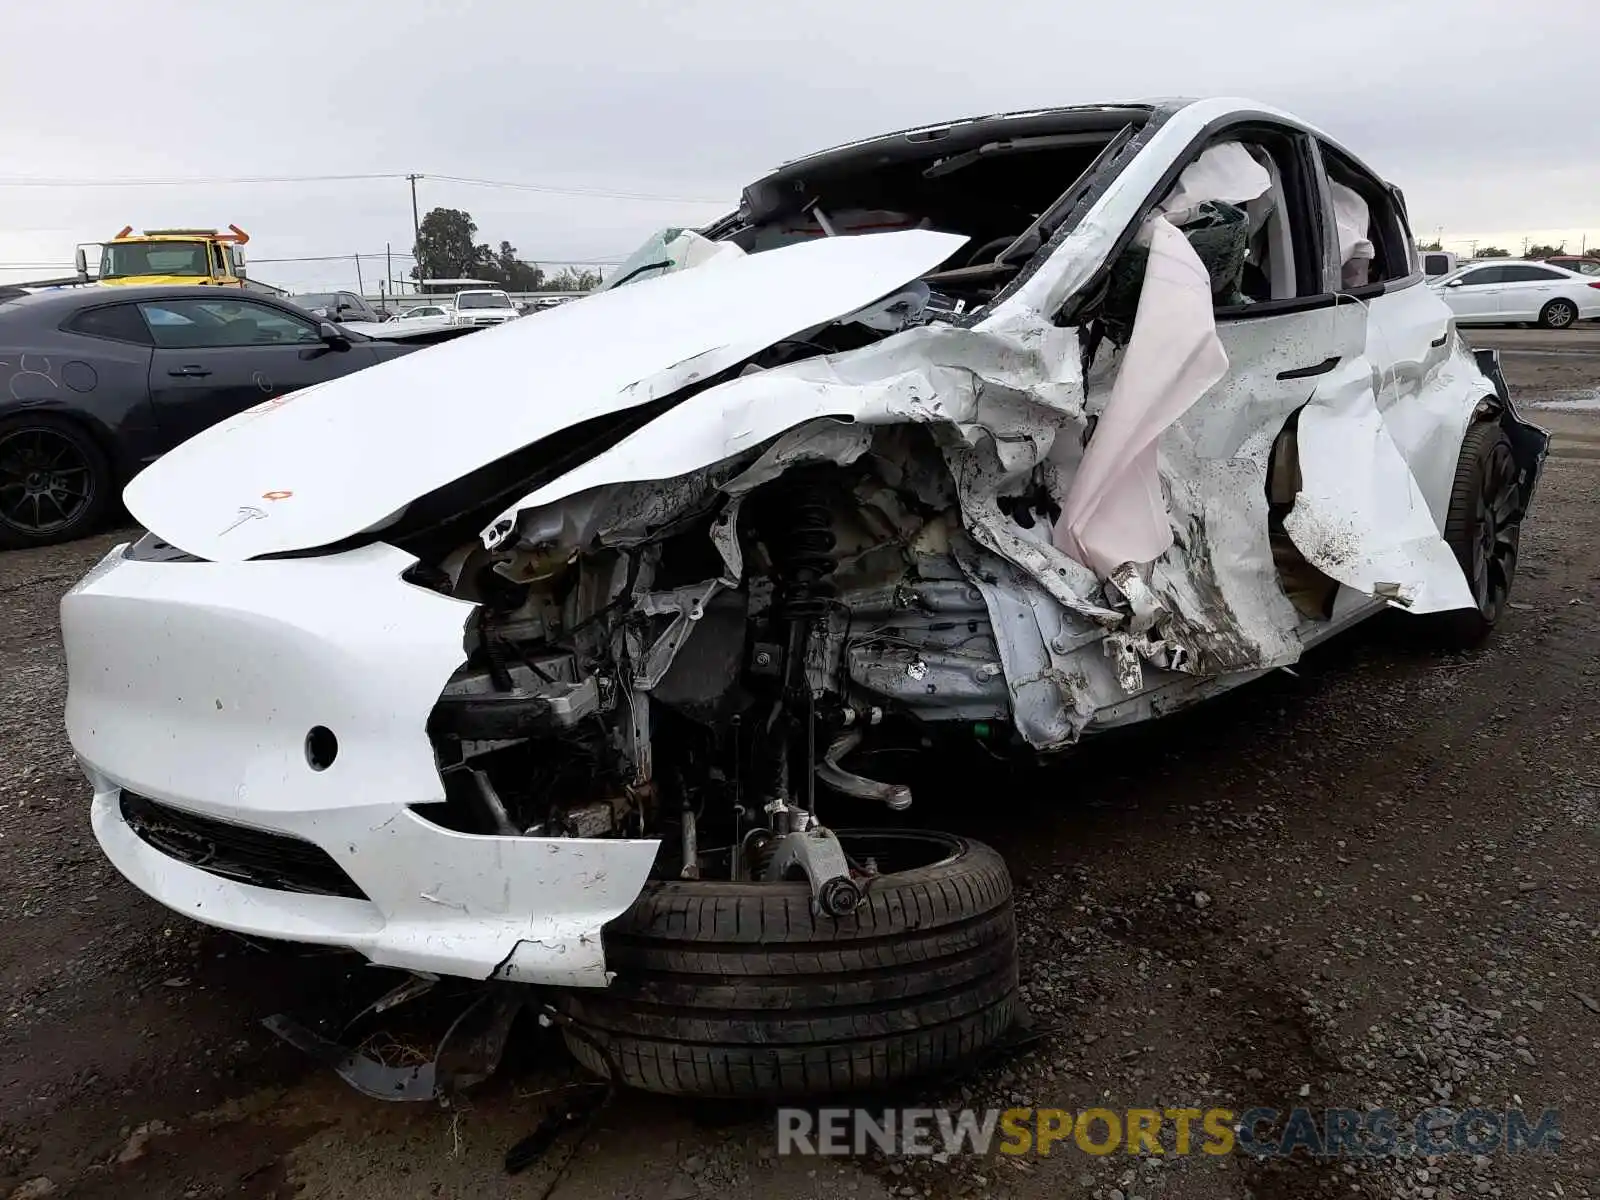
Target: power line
35,181
338,257
571,191
530,261
26,181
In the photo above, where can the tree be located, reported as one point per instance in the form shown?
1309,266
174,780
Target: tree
569,280
1542,251
1425,247
445,249
1492,252
511,273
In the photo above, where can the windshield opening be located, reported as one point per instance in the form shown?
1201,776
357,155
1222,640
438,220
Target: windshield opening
483,300
154,258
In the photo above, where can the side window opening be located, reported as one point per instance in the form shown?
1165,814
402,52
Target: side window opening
200,324
1516,273
1245,205
1374,241
116,322
1007,186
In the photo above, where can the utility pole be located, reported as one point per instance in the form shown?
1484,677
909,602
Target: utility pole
416,222
388,264
361,288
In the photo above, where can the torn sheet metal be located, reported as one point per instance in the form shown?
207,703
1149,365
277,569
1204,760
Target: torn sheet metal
996,405
1051,685
342,457
467,1054
1360,516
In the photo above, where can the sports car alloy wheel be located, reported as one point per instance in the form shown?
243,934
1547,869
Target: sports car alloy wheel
46,482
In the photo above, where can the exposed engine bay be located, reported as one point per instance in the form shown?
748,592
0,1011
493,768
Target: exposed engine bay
718,674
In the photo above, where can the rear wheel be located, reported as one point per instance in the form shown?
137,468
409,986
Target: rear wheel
1484,529
55,481
1558,314
742,990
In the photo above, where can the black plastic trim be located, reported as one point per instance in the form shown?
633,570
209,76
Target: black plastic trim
259,857
1321,368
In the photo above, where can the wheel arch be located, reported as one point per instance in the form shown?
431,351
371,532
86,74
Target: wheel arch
85,422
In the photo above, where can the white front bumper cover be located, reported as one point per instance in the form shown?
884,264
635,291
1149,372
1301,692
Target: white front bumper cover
195,684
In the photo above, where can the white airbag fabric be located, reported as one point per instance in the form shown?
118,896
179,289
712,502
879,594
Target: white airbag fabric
1115,512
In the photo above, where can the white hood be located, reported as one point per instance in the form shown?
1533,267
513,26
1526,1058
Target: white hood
328,462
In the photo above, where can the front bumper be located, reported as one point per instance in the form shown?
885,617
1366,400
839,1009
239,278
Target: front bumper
194,686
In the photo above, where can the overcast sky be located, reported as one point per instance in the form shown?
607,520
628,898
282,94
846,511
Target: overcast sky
1481,110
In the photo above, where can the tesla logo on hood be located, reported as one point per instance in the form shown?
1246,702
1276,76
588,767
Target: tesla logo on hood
246,513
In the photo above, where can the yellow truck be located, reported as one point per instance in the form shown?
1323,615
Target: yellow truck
165,256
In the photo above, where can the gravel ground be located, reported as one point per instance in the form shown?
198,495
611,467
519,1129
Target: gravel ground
1372,883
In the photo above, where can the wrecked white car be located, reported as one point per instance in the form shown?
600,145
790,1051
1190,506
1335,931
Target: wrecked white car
559,654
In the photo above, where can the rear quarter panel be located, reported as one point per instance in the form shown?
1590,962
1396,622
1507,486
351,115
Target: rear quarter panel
101,384
1427,385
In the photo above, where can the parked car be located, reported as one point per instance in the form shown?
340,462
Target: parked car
342,307
422,312
1511,292
95,384
582,655
485,306
1582,264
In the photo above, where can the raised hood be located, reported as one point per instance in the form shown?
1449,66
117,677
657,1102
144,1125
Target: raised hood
331,461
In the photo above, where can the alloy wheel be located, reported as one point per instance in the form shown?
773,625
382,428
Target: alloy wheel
46,482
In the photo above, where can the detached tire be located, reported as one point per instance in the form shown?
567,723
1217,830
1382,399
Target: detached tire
1484,529
738,990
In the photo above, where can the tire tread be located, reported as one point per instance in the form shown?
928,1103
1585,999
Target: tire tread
742,991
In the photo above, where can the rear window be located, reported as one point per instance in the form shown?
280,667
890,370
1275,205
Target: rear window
1522,274
115,322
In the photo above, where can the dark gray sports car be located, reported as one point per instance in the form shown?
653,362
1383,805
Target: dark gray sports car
97,382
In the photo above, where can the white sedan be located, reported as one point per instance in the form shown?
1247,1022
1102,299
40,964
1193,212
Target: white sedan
1510,292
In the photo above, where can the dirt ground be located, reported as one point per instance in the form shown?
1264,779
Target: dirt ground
1374,882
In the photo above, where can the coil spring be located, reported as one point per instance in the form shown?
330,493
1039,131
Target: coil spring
802,553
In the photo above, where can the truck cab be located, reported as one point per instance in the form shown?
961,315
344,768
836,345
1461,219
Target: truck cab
171,256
